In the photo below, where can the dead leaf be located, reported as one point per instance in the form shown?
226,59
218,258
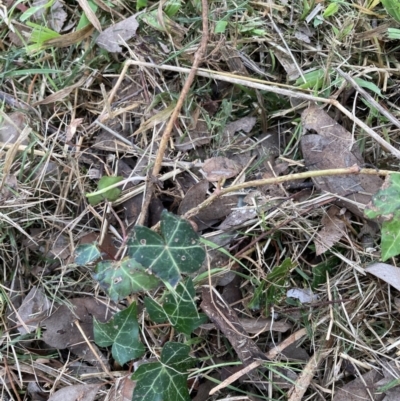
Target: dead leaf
388,273
333,229
287,63
330,146
55,16
304,295
218,168
76,392
245,124
61,332
70,39
356,390
33,310
198,136
115,35
11,127
238,217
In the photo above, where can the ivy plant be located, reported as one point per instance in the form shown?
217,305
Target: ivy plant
153,261
385,204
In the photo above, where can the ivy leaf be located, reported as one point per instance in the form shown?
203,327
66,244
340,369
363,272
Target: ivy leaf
122,332
387,200
390,237
122,278
86,253
110,194
176,251
165,380
179,308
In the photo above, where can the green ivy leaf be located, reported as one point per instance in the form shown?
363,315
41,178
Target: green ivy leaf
390,237
387,200
86,253
122,278
179,308
110,194
165,380
122,332
177,251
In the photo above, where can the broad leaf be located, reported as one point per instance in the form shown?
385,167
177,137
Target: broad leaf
177,251
390,240
122,278
86,253
387,200
165,380
122,332
111,194
179,308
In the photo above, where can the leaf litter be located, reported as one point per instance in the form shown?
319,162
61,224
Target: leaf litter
75,115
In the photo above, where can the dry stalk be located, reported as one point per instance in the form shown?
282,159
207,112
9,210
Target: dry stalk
167,132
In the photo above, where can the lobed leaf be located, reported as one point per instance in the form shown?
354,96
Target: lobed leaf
165,380
176,251
86,253
122,332
179,308
122,278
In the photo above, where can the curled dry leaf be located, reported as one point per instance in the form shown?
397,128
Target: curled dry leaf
55,16
115,35
218,168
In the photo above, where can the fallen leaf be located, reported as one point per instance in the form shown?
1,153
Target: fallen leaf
33,310
76,392
55,16
328,147
61,332
260,325
360,388
304,295
245,124
388,273
218,168
11,127
115,35
333,228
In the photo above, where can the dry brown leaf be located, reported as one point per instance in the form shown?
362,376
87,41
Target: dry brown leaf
356,390
61,332
218,168
76,392
245,124
33,310
332,231
70,39
11,127
388,273
327,146
115,35
55,16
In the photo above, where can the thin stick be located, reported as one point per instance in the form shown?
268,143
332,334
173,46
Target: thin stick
168,129
278,180
256,84
106,370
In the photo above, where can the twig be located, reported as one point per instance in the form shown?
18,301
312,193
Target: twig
278,180
167,132
264,85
